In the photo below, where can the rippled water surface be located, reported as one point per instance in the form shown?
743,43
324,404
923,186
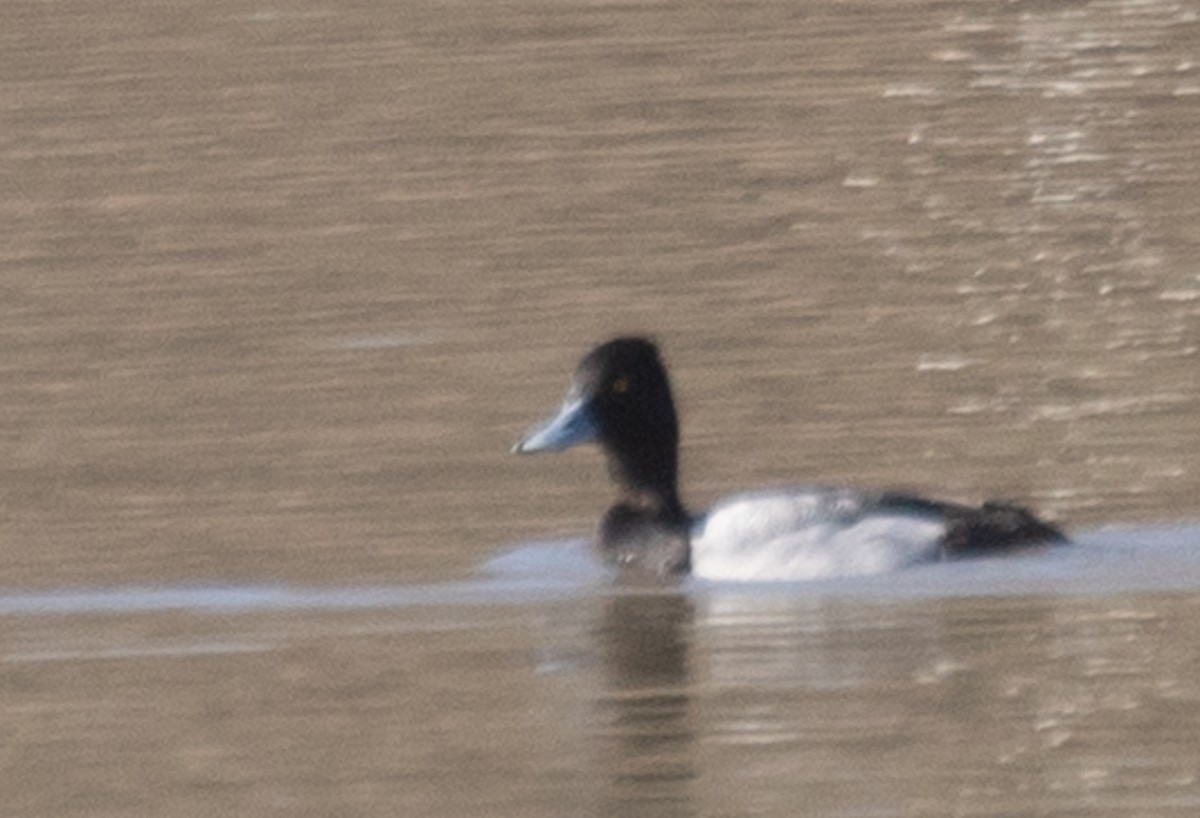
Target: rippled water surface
280,284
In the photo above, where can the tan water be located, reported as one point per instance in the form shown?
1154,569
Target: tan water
280,283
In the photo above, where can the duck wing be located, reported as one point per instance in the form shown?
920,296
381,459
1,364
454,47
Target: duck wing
814,533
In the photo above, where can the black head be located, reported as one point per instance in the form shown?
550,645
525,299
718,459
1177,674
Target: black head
620,398
635,416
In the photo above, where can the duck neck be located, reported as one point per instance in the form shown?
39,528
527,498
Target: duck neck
647,530
649,484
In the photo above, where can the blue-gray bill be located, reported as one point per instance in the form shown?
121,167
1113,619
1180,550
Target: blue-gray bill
574,424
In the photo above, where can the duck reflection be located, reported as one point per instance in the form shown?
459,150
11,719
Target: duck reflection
648,736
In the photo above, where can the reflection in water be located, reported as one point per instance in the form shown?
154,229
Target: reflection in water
649,754
717,701
947,706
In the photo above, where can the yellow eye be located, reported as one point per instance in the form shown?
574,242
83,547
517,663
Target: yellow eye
620,386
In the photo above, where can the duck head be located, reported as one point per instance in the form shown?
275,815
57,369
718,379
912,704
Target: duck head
620,398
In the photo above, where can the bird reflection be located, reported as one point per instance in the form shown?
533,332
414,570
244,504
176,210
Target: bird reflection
644,640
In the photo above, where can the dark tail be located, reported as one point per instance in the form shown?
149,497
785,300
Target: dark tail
996,527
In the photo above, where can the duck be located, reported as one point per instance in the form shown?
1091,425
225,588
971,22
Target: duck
620,398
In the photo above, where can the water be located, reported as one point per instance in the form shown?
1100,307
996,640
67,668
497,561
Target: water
1038,684
1117,560
282,283
1050,686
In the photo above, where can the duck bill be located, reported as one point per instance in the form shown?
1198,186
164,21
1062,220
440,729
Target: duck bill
574,424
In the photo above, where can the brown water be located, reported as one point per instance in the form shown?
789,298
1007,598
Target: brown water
282,282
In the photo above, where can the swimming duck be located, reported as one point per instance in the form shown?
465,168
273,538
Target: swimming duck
620,398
